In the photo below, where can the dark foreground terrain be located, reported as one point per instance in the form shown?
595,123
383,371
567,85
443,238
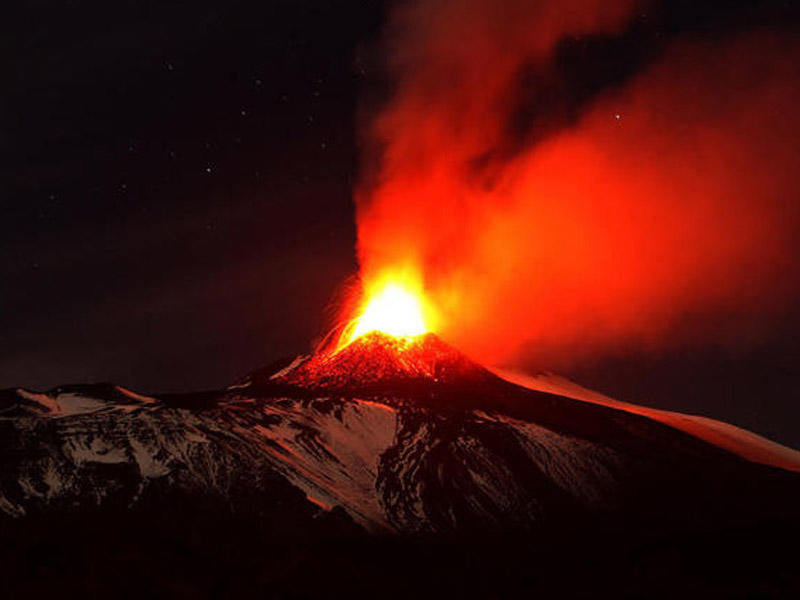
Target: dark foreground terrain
186,552
387,470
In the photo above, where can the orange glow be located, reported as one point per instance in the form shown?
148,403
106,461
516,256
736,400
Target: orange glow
393,304
654,214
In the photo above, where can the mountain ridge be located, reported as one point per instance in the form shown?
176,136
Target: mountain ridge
429,468
403,436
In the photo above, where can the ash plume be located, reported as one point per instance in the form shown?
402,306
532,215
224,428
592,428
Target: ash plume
547,206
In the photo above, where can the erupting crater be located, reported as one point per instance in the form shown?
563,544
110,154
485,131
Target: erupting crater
393,305
378,359
389,342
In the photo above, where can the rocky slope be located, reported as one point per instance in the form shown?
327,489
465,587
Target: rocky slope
402,436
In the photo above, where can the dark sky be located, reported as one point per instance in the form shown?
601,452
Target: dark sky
176,186
176,180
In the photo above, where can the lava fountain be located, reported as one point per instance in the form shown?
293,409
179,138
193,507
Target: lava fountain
393,304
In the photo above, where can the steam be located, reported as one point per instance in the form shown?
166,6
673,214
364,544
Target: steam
660,211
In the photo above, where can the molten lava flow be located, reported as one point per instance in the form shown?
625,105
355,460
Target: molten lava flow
393,305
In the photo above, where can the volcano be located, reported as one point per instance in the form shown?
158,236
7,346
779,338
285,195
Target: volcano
390,439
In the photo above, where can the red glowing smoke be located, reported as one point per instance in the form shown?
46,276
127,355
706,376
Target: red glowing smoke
664,202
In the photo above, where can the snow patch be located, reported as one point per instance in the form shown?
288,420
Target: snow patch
292,366
145,457
11,509
46,402
77,404
330,452
743,443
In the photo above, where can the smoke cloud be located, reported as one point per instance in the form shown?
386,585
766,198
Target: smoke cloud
660,209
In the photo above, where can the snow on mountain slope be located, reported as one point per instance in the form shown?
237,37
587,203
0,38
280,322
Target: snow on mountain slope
75,400
406,437
486,471
741,442
328,448
397,467
101,445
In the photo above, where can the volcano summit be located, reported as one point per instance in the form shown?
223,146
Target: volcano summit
398,436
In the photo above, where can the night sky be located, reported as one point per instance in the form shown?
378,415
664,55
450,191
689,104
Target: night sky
176,185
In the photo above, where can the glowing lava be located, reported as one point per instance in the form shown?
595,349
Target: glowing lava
395,306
